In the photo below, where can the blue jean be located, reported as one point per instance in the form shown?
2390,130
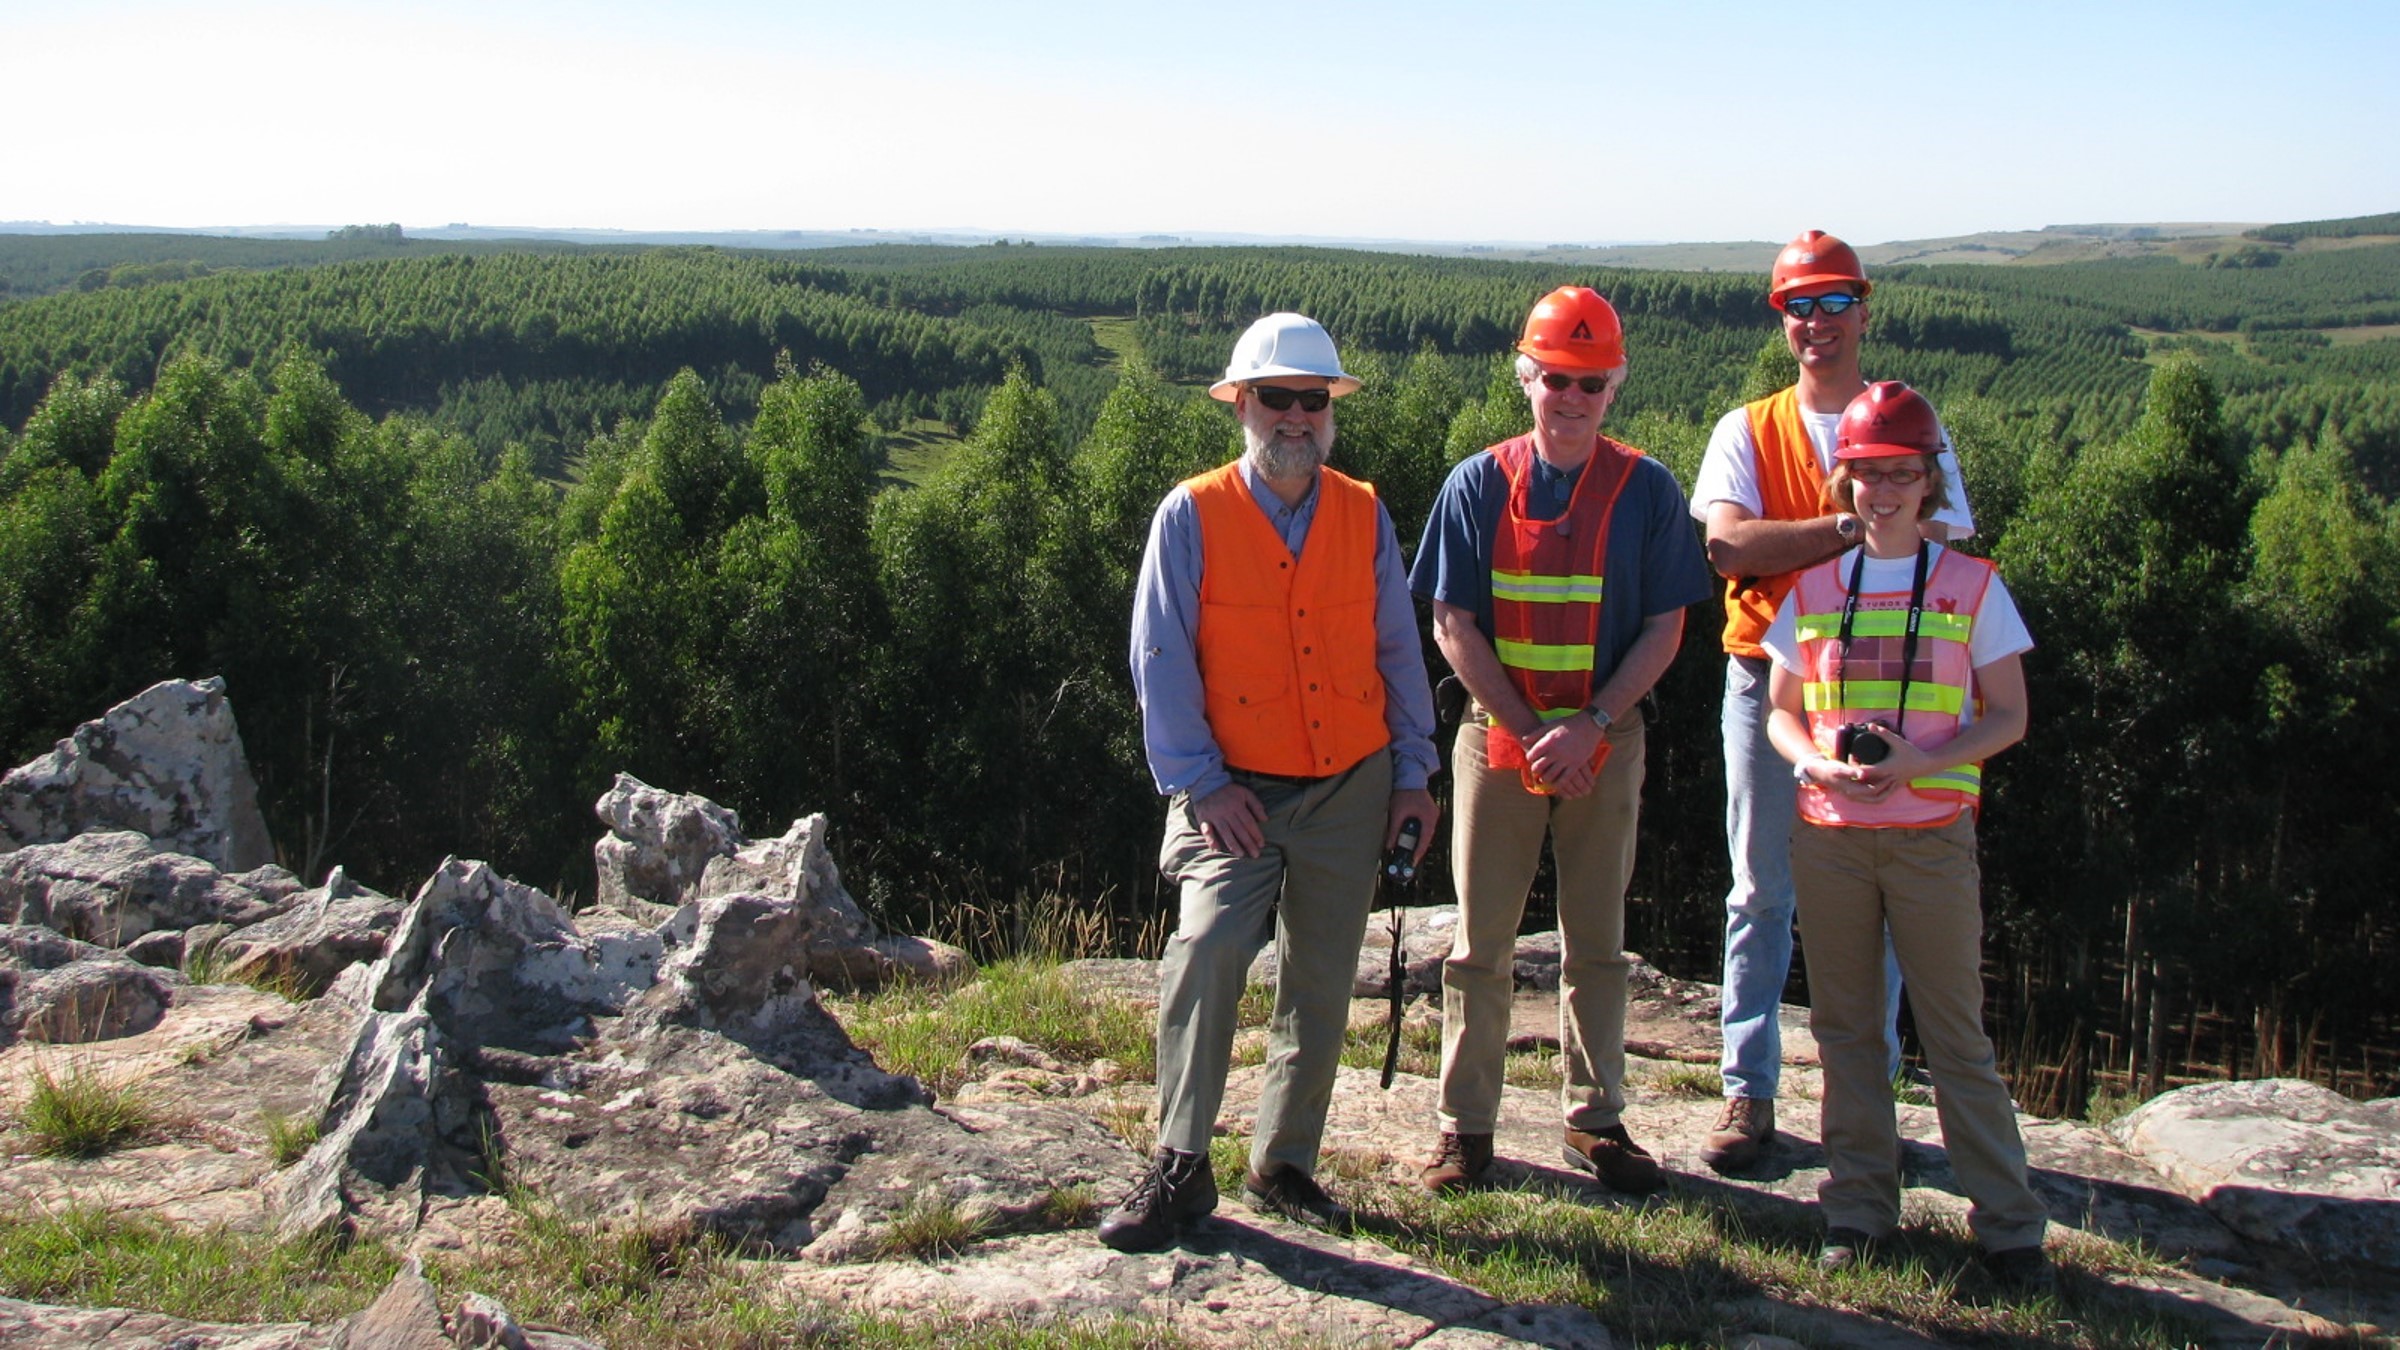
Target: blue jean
1761,808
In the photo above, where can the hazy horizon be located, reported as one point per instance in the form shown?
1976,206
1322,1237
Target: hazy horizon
1411,120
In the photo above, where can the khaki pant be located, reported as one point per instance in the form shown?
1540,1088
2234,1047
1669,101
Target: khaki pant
1496,846
1923,884
1311,887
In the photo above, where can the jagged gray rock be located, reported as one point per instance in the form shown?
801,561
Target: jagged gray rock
321,933
2281,1162
112,887
844,949
100,998
56,990
166,764
657,846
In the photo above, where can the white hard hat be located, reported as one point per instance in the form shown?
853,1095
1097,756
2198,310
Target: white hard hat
1283,344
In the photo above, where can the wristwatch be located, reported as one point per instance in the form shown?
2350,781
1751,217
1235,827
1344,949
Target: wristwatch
1598,714
1846,525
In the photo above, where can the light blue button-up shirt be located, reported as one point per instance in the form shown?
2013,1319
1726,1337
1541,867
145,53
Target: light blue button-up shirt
1166,665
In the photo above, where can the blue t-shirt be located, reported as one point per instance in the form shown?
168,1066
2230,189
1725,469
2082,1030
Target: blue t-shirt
1654,561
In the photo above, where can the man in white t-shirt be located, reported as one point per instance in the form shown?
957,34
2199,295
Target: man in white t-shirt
1760,495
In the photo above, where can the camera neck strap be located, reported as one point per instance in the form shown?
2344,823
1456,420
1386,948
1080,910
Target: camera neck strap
1908,641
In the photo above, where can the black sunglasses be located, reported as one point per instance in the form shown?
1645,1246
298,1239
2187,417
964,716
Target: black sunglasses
1595,385
1279,399
1802,306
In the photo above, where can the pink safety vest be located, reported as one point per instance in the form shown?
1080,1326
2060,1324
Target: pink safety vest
1938,688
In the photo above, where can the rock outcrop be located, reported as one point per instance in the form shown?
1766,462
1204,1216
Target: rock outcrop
166,764
113,887
658,843
2282,1163
666,854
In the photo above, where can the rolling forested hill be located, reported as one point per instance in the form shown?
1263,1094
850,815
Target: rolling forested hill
469,528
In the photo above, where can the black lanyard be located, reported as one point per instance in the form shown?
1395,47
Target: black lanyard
1908,643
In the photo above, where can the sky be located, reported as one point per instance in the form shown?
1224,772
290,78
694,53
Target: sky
1407,119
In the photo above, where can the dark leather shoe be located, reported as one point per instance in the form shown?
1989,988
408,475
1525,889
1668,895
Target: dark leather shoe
1459,1161
1844,1249
2024,1269
1175,1189
1612,1156
1295,1195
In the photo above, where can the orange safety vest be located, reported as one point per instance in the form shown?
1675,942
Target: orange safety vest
1548,578
1287,645
1791,486
1938,688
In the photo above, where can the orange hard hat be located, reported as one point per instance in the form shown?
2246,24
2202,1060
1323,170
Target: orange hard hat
1814,259
1574,326
1888,419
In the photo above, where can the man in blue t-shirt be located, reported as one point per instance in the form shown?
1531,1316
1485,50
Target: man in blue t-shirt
1559,565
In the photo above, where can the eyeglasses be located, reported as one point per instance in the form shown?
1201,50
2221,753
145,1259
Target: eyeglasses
1595,385
1895,477
1279,399
1806,306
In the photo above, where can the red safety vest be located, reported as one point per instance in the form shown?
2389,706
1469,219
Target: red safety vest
1547,582
1791,486
1938,689
1287,645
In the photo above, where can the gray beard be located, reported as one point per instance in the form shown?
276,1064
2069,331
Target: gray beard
1274,457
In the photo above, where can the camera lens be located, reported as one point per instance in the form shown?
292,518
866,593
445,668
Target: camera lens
1868,747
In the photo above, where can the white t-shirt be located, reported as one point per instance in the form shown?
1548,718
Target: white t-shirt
1729,471
1999,631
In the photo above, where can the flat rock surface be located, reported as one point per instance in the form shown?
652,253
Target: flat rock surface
1239,1280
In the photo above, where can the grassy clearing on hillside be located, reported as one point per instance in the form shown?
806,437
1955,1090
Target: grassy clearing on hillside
915,451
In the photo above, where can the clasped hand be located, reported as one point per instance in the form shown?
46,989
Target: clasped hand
1561,755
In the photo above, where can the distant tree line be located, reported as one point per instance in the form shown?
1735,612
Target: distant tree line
434,648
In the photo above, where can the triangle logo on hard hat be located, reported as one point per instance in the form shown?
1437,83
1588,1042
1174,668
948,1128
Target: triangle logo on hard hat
1582,333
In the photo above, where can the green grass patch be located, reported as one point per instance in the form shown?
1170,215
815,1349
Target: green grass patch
923,1031
289,1138
930,1227
1689,1081
80,1112
92,1259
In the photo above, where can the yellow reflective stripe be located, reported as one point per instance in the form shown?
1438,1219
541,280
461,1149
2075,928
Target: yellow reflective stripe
1546,714
1878,695
1884,623
1541,656
1535,588
1967,778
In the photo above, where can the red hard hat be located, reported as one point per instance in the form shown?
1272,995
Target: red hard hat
1575,327
1888,419
1814,259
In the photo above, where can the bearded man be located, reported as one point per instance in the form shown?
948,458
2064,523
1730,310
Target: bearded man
1286,715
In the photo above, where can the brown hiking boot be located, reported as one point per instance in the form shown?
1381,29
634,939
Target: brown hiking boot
1741,1135
1174,1190
1612,1156
1458,1161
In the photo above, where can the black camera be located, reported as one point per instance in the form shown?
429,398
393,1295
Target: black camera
1860,743
1400,865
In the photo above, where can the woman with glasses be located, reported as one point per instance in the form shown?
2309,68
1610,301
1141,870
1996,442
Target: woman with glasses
1896,674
